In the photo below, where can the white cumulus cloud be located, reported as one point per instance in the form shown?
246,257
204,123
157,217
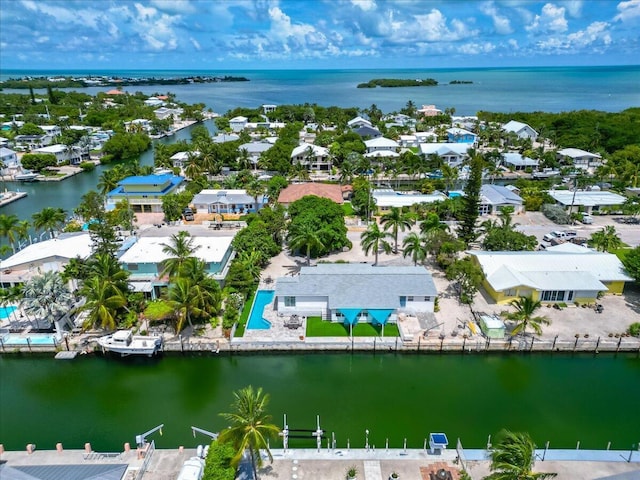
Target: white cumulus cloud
629,10
551,19
500,22
365,5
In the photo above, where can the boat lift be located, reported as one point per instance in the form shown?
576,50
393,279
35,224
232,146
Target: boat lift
213,436
141,440
300,433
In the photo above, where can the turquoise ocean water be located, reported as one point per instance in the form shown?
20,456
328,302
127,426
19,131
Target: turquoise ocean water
552,89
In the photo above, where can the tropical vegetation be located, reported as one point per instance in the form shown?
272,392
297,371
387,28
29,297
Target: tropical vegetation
512,458
524,316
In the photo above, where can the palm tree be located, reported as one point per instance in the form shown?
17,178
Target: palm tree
306,237
255,188
103,302
251,261
49,219
9,229
432,222
396,220
250,428
374,239
523,316
106,267
512,458
22,232
606,239
412,246
206,289
186,302
179,249
46,296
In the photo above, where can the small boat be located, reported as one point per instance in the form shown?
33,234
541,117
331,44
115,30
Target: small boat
26,176
125,343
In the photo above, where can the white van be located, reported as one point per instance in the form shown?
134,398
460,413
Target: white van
192,469
586,219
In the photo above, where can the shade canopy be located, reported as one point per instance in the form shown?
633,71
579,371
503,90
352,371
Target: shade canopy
350,315
380,315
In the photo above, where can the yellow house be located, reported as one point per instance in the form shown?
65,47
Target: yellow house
564,274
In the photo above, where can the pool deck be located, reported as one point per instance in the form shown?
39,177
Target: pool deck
371,464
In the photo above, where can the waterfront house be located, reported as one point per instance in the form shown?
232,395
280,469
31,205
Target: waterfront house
237,124
31,142
9,160
494,198
163,113
314,157
358,122
587,201
144,261
63,153
153,102
516,162
460,135
225,137
296,191
144,192
522,130
453,154
381,144
44,256
579,158
267,109
351,293
226,201
385,199
551,276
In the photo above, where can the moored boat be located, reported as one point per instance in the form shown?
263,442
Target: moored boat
125,343
25,176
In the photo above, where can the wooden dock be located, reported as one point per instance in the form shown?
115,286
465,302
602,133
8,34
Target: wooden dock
8,197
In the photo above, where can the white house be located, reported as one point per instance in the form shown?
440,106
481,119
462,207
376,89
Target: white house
226,201
453,154
349,293
48,255
10,160
516,161
579,158
381,144
407,141
63,153
238,124
314,157
522,130
385,199
163,113
180,159
358,122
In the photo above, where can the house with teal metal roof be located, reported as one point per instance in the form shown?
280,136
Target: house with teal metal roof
144,192
351,293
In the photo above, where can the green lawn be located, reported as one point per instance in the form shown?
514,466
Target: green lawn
244,316
348,209
316,327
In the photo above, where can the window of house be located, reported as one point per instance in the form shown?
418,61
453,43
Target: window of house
132,266
510,293
410,298
289,301
553,295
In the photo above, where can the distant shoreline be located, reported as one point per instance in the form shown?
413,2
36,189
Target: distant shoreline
69,81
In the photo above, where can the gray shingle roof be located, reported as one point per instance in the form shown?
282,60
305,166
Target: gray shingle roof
63,472
358,285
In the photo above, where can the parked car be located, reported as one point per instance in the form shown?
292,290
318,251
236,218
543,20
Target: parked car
586,219
188,215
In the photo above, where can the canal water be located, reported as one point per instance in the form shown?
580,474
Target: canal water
107,400
67,193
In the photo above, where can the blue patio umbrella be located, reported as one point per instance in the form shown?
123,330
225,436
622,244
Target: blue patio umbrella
350,316
380,315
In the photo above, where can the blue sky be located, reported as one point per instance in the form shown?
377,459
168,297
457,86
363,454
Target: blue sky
255,34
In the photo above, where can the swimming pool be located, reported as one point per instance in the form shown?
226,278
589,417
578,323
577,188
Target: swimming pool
34,339
256,321
6,311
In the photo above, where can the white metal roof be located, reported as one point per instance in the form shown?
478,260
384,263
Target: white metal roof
586,198
65,246
317,150
149,249
391,198
381,142
576,152
546,270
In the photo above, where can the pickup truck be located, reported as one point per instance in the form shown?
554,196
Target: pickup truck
556,234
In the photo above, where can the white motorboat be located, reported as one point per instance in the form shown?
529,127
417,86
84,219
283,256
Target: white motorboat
125,343
26,176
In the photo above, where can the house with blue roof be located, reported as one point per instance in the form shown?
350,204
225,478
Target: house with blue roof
144,192
351,293
460,135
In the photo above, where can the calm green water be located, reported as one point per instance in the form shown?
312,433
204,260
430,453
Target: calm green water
107,401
